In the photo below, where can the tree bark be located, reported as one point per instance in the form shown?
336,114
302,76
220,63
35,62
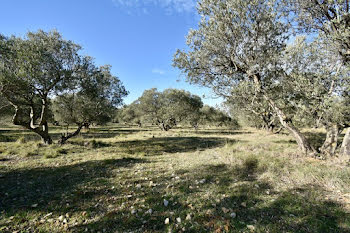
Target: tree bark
42,130
303,143
44,134
345,147
64,139
330,144
165,127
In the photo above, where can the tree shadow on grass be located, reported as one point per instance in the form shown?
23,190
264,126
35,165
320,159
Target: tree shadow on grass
123,221
316,139
256,203
222,175
110,133
141,220
48,188
11,135
295,210
220,132
286,142
301,209
157,146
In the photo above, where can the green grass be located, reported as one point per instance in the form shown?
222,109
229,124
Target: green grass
115,179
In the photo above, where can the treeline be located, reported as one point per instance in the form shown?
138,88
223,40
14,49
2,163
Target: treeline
259,57
170,108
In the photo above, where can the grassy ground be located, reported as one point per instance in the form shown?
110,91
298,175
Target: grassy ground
117,179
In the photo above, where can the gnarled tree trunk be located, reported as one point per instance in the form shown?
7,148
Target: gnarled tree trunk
302,141
42,130
345,147
330,144
64,138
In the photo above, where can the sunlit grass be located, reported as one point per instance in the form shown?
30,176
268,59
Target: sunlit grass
115,179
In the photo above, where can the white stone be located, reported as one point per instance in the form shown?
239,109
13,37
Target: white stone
167,220
166,203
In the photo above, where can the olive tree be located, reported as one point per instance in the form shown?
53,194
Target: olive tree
94,100
215,117
318,89
245,43
42,66
330,19
240,41
4,106
34,68
131,114
252,107
170,107
179,106
149,105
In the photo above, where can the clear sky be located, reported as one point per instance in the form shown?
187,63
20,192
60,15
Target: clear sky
137,37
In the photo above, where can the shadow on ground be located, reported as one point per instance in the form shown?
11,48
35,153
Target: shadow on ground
11,135
160,145
219,132
258,207
46,188
217,191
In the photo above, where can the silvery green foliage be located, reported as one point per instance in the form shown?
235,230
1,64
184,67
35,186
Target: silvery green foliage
315,83
169,107
235,40
43,65
95,99
251,107
242,44
210,116
330,17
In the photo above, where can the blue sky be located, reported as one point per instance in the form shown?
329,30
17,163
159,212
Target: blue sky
137,37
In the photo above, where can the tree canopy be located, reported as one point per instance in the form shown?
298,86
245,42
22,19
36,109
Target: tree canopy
166,109
242,51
